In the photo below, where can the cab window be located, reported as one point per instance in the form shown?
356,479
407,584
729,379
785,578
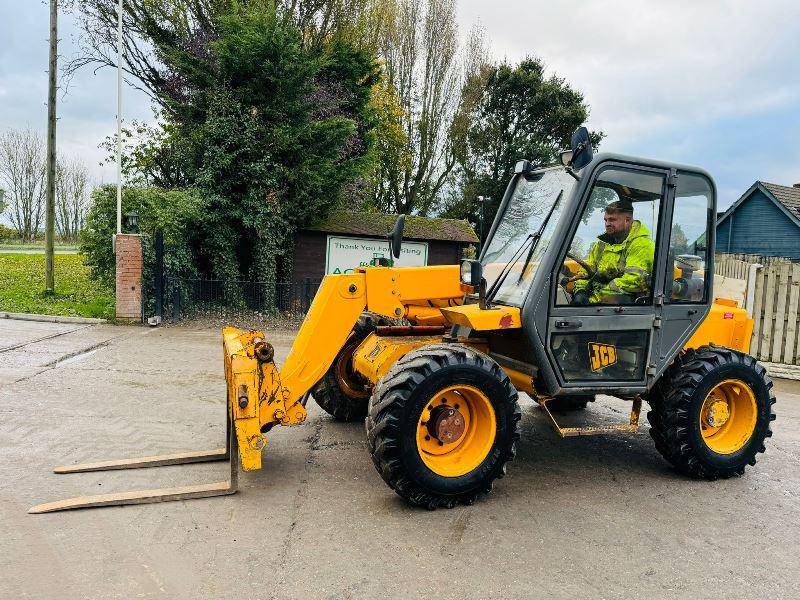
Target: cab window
611,256
692,219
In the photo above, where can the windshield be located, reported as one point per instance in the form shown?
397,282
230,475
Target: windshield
528,208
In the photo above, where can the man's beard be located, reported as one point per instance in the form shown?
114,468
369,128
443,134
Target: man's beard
618,236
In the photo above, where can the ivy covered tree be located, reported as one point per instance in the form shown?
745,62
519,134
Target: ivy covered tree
515,113
268,127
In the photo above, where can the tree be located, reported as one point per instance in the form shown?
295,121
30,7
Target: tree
72,190
22,173
152,155
424,71
268,126
515,112
679,242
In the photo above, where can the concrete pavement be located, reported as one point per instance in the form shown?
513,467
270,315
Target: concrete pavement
600,517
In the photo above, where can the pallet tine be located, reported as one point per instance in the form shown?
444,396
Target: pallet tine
222,488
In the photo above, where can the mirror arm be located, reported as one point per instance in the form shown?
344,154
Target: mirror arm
482,303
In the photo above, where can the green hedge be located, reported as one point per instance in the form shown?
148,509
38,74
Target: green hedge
174,212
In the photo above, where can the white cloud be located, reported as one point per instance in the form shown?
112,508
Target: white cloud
645,66
674,80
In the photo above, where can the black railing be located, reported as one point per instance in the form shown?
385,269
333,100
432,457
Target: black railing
193,298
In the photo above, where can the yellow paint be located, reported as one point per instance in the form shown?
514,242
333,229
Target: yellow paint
521,381
480,429
471,315
333,313
376,354
389,290
728,416
726,325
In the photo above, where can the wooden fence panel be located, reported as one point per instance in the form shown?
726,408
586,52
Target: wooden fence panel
758,309
776,312
790,353
778,340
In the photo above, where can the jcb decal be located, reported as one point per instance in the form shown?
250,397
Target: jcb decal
602,355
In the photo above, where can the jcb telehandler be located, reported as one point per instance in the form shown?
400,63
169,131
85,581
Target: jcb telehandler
433,357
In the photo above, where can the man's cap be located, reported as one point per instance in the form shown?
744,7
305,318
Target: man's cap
623,206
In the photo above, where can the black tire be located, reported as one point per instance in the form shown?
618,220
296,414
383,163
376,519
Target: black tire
328,392
569,403
677,400
395,408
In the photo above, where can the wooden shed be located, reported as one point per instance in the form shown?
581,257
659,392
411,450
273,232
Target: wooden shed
765,221
347,239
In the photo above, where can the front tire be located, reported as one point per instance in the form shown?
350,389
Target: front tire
425,388
711,412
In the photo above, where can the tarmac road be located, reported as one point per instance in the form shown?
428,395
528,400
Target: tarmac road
598,517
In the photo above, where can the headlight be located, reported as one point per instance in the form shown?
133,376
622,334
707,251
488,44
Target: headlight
471,272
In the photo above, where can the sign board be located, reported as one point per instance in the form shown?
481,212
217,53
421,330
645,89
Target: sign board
346,253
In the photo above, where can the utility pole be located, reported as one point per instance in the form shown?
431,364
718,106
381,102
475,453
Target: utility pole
49,220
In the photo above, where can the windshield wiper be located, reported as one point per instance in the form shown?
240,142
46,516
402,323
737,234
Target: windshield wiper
506,269
538,235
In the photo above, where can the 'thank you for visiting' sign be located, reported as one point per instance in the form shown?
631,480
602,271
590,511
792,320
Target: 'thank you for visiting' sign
345,254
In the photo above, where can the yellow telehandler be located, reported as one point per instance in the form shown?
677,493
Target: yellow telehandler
433,358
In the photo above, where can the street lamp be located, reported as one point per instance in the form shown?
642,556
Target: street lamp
133,222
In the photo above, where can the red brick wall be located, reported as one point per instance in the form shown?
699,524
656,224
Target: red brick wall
309,254
129,277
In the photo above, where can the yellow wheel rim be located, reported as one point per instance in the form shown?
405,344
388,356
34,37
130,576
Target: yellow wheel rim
728,416
344,375
467,440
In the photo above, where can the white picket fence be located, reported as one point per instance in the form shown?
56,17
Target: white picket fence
776,311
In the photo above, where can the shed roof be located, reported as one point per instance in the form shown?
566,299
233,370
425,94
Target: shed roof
786,197
380,225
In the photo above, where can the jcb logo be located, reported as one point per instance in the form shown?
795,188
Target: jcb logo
602,355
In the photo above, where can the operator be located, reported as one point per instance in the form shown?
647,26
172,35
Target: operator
622,259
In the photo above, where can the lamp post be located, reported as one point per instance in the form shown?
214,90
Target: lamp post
119,116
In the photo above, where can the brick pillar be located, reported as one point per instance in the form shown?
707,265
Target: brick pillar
129,277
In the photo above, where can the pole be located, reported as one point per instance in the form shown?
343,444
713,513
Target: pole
119,116
50,207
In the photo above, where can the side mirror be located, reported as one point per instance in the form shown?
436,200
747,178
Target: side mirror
471,272
396,237
581,149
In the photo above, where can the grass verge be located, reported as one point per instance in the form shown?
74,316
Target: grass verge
22,287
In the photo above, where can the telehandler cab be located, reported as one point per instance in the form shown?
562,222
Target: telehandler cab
434,357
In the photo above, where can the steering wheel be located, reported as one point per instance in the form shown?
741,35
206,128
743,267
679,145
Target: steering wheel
568,274
589,270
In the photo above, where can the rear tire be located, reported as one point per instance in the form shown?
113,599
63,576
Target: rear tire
341,392
711,412
451,375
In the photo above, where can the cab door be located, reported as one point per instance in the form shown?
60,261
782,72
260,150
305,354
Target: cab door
608,343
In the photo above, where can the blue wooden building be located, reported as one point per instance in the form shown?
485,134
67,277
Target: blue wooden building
764,221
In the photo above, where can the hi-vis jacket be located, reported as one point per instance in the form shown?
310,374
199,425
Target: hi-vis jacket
623,269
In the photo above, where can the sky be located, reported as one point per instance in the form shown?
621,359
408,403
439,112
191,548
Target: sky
714,83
